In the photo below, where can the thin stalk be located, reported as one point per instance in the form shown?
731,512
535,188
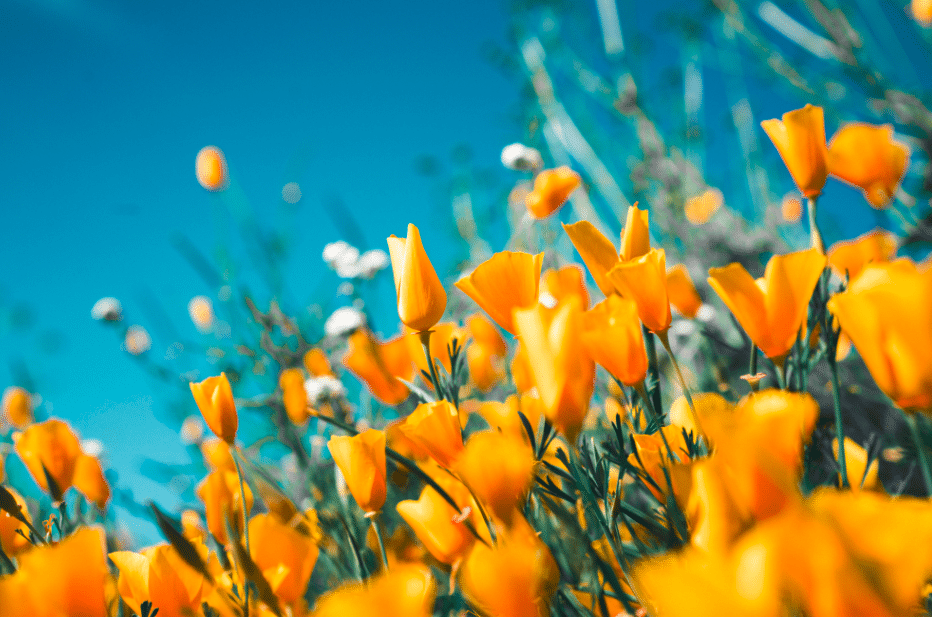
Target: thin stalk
378,536
242,493
839,427
815,235
665,341
752,368
653,367
425,342
920,450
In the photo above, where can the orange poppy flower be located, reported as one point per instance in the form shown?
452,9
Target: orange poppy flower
700,209
800,139
849,258
381,365
407,591
220,493
421,297
558,285
499,469
791,208
437,525
361,459
486,355
682,292
504,416
52,445
10,541
612,337
922,11
316,363
284,555
159,574
552,187
89,480
210,166
867,156
644,280
214,398
291,381
772,309
436,428
441,336
17,407
506,281
217,454
860,475
521,370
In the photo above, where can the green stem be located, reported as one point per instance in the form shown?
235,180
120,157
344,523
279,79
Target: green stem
425,342
242,493
653,367
665,341
378,536
752,368
913,423
814,234
839,427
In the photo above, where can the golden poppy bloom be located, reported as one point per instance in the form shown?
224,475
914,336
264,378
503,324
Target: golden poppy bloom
361,459
17,407
220,492
521,370
437,525
849,258
597,252
10,541
517,577
886,311
612,337
436,428
214,398
860,476
682,292
504,416
791,208
558,285
210,166
867,156
52,445
379,365
922,11
644,280
562,371
652,457
506,281
700,209
421,298
713,409
65,578
499,468
89,480
407,591
316,363
217,454
552,187
800,140
284,555
772,310
159,574
294,397
486,355
201,311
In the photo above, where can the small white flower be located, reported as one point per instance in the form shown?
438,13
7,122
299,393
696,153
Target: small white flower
343,321
371,262
323,388
137,340
192,430
522,158
92,447
342,257
682,328
345,289
107,309
706,313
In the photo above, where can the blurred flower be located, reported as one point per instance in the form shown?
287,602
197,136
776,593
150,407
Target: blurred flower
521,370
324,388
291,193
380,365
612,337
12,542
316,363
498,468
371,262
652,457
217,454
202,313
922,11
644,280
791,208
192,430
867,156
800,139
558,285
712,408
437,525
504,282
849,258
361,459
223,503
161,576
552,187
700,209
561,370
342,257
772,309
886,311
294,396
17,407
682,292
51,447
486,355
442,336
192,527
504,416
521,158
107,309
89,480
211,169
344,321
407,591
285,556
436,428
137,340
421,298
214,399
860,475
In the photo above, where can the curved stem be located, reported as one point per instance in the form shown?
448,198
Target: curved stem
665,341
425,342
378,536
242,493
839,427
814,234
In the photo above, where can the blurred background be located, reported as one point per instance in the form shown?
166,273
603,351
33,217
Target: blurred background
346,122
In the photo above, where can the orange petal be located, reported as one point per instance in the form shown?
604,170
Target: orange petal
504,282
597,252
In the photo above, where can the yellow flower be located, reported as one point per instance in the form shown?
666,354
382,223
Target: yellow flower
506,281
89,480
421,298
316,363
515,578
361,459
772,310
285,556
849,258
504,416
886,311
652,457
486,355
922,11
441,336
159,574
499,468
211,169
10,541
17,407
217,454
791,208
682,292
860,476
436,428
700,209
380,365
291,381
597,252
223,503
52,445
612,337
558,285
552,187
407,591
561,370
644,280
713,409
867,156
635,237
214,398
800,139
437,525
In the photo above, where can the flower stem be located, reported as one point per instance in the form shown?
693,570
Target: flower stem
242,493
839,427
752,368
913,423
665,341
425,342
653,367
814,234
378,536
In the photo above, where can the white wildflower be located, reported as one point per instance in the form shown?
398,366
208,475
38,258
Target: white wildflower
323,388
371,262
522,158
107,309
343,321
